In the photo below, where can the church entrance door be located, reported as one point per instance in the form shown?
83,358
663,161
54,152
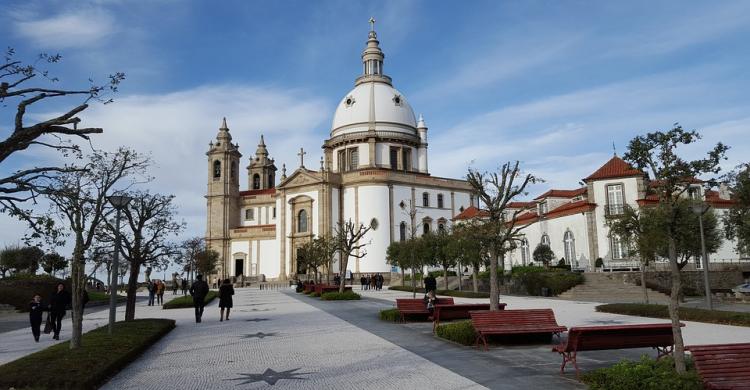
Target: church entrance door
239,267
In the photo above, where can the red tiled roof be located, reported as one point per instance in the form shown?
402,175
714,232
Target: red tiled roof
562,193
471,212
712,198
520,205
615,167
269,191
571,208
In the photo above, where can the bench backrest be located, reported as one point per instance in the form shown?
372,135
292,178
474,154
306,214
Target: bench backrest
452,311
723,366
510,318
414,304
593,338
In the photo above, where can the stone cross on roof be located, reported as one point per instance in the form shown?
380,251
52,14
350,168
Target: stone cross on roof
301,155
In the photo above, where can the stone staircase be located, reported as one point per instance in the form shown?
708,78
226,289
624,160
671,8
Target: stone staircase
610,288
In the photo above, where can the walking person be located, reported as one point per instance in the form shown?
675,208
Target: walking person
151,292
58,305
198,291
225,298
184,287
362,281
175,284
160,287
36,309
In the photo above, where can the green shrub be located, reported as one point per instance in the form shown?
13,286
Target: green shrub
557,281
314,294
461,332
99,358
686,313
337,296
186,301
646,374
436,274
390,315
416,277
451,293
17,290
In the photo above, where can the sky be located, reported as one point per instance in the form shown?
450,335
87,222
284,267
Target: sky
553,84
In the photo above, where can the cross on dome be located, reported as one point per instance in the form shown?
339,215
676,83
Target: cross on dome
372,23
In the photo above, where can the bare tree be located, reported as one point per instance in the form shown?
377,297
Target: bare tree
189,251
348,236
656,154
79,199
150,220
499,232
26,86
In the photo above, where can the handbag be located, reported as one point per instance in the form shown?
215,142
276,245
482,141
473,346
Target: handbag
48,324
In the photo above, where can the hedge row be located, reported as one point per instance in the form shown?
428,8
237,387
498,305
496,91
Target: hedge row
337,296
646,374
461,332
99,357
390,315
186,301
451,293
686,313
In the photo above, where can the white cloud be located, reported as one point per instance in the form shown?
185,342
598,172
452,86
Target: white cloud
79,28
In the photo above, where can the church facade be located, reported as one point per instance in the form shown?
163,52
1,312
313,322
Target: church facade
374,170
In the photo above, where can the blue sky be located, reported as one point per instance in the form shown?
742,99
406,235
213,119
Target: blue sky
550,83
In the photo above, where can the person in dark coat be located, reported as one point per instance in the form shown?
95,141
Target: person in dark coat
35,315
225,298
58,305
198,291
430,283
184,286
151,287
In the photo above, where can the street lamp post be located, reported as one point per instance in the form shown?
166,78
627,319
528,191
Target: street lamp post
119,202
700,209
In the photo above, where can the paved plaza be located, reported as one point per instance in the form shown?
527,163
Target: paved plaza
286,340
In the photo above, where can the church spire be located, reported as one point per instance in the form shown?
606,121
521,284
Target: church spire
261,151
223,138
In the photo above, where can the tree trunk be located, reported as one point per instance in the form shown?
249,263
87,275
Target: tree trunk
328,272
403,277
494,295
674,304
643,283
132,291
445,276
475,278
78,284
344,262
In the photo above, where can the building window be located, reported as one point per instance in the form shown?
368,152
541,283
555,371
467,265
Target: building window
694,192
249,214
394,158
615,199
256,181
570,247
471,200
273,213
402,231
342,160
545,239
302,221
440,201
441,228
353,158
406,159
426,228
525,252
217,169
619,247
425,199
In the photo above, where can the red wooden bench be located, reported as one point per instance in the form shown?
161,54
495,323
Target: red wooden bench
417,306
723,366
595,338
309,287
457,311
502,322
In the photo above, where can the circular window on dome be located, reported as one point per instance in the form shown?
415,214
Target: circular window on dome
349,101
397,100
374,224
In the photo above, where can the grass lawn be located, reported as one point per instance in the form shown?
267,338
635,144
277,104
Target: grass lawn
186,301
686,313
99,358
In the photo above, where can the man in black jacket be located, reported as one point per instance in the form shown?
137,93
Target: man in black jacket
58,305
198,291
430,283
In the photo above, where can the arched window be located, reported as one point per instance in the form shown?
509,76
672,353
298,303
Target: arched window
426,228
425,199
217,169
525,252
256,181
271,181
440,201
402,231
302,221
570,247
545,239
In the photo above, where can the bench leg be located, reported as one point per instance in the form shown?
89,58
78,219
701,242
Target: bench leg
435,323
484,341
663,351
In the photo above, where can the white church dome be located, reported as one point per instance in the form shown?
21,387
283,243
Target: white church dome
373,104
388,106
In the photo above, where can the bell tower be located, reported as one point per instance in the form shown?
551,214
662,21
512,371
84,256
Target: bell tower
223,195
261,173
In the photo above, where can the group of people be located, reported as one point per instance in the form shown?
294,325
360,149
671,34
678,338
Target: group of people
199,290
156,290
371,282
56,307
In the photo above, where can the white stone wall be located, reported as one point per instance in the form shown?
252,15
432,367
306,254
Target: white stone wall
373,203
268,263
263,215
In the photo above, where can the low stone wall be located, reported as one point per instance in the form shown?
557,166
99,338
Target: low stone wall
692,281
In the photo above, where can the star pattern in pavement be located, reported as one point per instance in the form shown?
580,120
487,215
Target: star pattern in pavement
269,376
256,319
259,335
